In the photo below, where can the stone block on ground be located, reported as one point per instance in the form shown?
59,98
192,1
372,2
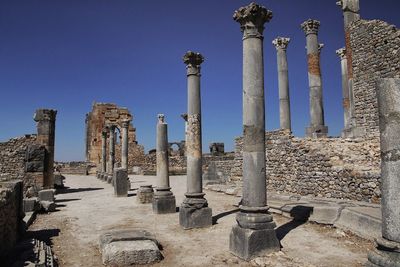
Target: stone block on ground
33,252
59,181
31,204
164,204
109,179
48,206
129,247
325,214
145,194
195,218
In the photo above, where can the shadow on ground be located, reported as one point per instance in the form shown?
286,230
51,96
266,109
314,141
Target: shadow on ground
68,190
215,218
300,215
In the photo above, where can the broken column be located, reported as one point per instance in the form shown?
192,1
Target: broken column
317,126
351,9
104,151
281,44
387,252
111,153
163,200
194,211
120,184
124,148
46,123
345,90
254,233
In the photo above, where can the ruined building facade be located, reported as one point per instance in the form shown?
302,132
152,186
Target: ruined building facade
101,115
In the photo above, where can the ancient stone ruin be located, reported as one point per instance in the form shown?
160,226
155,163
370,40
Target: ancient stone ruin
350,183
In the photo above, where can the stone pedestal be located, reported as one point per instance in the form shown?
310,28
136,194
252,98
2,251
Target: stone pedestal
120,182
317,126
254,232
145,194
163,200
194,211
387,252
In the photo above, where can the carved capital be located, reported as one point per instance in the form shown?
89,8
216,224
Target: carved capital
161,118
252,19
125,123
341,53
281,43
193,61
45,115
310,26
349,5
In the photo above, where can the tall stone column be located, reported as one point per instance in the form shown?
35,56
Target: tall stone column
125,142
351,9
254,233
194,211
163,200
345,91
281,44
46,124
387,252
104,151
317,126
111,150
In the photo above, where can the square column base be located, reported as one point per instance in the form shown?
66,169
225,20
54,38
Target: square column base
195,218
164,204
109,179
319,131
381,258
249,243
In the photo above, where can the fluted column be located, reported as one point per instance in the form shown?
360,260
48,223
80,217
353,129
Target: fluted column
194,211
254,233
281,44
387,252
125,142
163,200
104,151
317,126
46,124
345,90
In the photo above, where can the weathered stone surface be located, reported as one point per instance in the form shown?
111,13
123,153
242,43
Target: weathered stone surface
48,206
145,194
128,247
46,195
164,204
31,204
35,156
120,182
33,253
190,218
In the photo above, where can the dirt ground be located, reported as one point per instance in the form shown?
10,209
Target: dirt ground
87,208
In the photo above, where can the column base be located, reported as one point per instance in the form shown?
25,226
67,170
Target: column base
387,253
319,131
195,213
109,178
249,243
163,204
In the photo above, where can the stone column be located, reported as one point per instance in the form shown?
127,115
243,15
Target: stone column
254,233
125,142
104,151
111,150
194,211
46,124
345,90
281,44
163,200
317,126
387,252
351,9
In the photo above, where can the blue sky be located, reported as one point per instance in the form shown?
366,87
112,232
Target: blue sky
67,54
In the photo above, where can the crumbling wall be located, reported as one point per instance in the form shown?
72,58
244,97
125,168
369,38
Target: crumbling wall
323,167
11,214
375,49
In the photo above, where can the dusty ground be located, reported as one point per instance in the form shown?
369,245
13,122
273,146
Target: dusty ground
87,208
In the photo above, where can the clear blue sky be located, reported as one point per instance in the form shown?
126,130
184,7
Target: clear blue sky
66,54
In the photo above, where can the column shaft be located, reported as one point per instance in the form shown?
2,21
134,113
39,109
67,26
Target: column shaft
162,156
125,145
111,152
104,152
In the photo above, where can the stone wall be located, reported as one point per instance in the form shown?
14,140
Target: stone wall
11,214
177,165
375,49
324,167
75,167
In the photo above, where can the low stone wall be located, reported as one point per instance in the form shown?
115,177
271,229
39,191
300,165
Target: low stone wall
177,165
11,215
326,167
75,167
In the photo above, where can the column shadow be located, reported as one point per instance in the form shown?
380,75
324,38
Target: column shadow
300,215
215,218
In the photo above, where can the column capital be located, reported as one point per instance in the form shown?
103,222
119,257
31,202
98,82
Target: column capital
252,19
193,61
125,123
281,42
310,26
349,5
45,115
341,53
161,118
